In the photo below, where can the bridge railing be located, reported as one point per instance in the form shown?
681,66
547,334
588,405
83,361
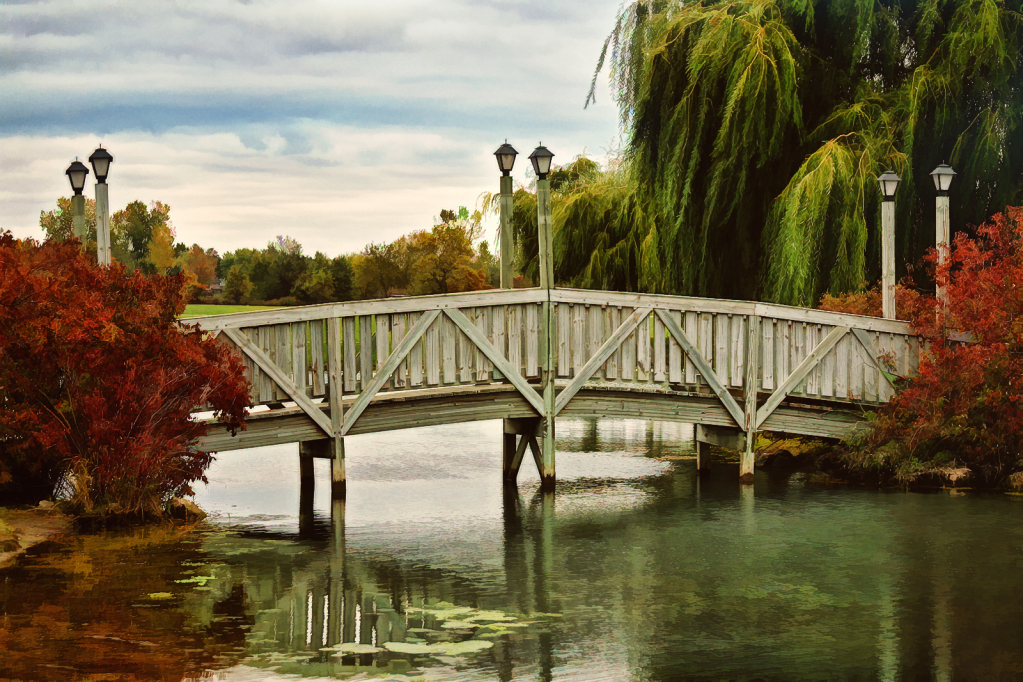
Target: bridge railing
625,340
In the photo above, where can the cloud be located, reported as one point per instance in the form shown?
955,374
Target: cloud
338,122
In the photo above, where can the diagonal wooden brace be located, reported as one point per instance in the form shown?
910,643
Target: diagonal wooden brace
282,379
385,371
808,363
500,363
703,367
603,353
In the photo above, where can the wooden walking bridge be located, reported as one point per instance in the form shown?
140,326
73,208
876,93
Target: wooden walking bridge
527,356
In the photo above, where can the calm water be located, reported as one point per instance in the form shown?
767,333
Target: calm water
634,569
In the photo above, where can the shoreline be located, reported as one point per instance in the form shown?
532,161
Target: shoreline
22,529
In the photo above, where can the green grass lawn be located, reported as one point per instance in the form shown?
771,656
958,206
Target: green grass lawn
198,310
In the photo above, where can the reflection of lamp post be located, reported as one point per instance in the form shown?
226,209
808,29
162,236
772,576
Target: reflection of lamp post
76,173
942,176
888,182
100,161
541,159
505,160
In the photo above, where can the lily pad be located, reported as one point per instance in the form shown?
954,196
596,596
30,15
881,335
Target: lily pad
458,625
459,648
347,648
159,596
408,648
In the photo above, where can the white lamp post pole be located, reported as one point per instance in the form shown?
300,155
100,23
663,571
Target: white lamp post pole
100,161
505,161
942,176
541,160
888,183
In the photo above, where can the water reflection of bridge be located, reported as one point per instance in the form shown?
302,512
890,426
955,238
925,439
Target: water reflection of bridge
528,356
731,603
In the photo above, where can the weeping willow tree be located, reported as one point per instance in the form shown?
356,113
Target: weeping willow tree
756,130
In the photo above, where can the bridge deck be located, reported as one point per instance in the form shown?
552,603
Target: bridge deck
407,362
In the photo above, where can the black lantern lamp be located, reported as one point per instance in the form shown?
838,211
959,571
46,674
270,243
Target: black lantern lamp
506,157
942,176
100,161
888,182
76,172
541,159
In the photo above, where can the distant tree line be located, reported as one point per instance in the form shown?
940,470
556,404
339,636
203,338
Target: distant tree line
443,259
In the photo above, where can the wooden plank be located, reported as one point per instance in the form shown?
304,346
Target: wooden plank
277,375
578,343
466,354
563,311
483,326
612,320
628,327
514,328
660,341
767,361
721,341
736,349
499,339
372,307
433,354
298,367
335,384
703,367
813,378
383,343
372,386
282,356
317,366
348,347
415,358
448,338
706,340
827,387
797,376
400,379
643,351
628,366
869,344
365,350
595,332
500,362
692,329
675,365
532,340
842,388
266,390
886,349
784,351
798,352
257,374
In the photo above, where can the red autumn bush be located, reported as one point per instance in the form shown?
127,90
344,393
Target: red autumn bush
97,380
962,414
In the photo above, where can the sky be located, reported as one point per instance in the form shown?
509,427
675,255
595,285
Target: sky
338,123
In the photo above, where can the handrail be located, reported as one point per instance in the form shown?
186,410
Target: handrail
495,297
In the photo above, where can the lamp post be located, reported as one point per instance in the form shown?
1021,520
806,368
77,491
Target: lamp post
541,160
942,176
76,173
888,182
505,155
100,161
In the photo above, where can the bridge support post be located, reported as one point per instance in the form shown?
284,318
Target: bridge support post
750,381
518,435
338,485
545,463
